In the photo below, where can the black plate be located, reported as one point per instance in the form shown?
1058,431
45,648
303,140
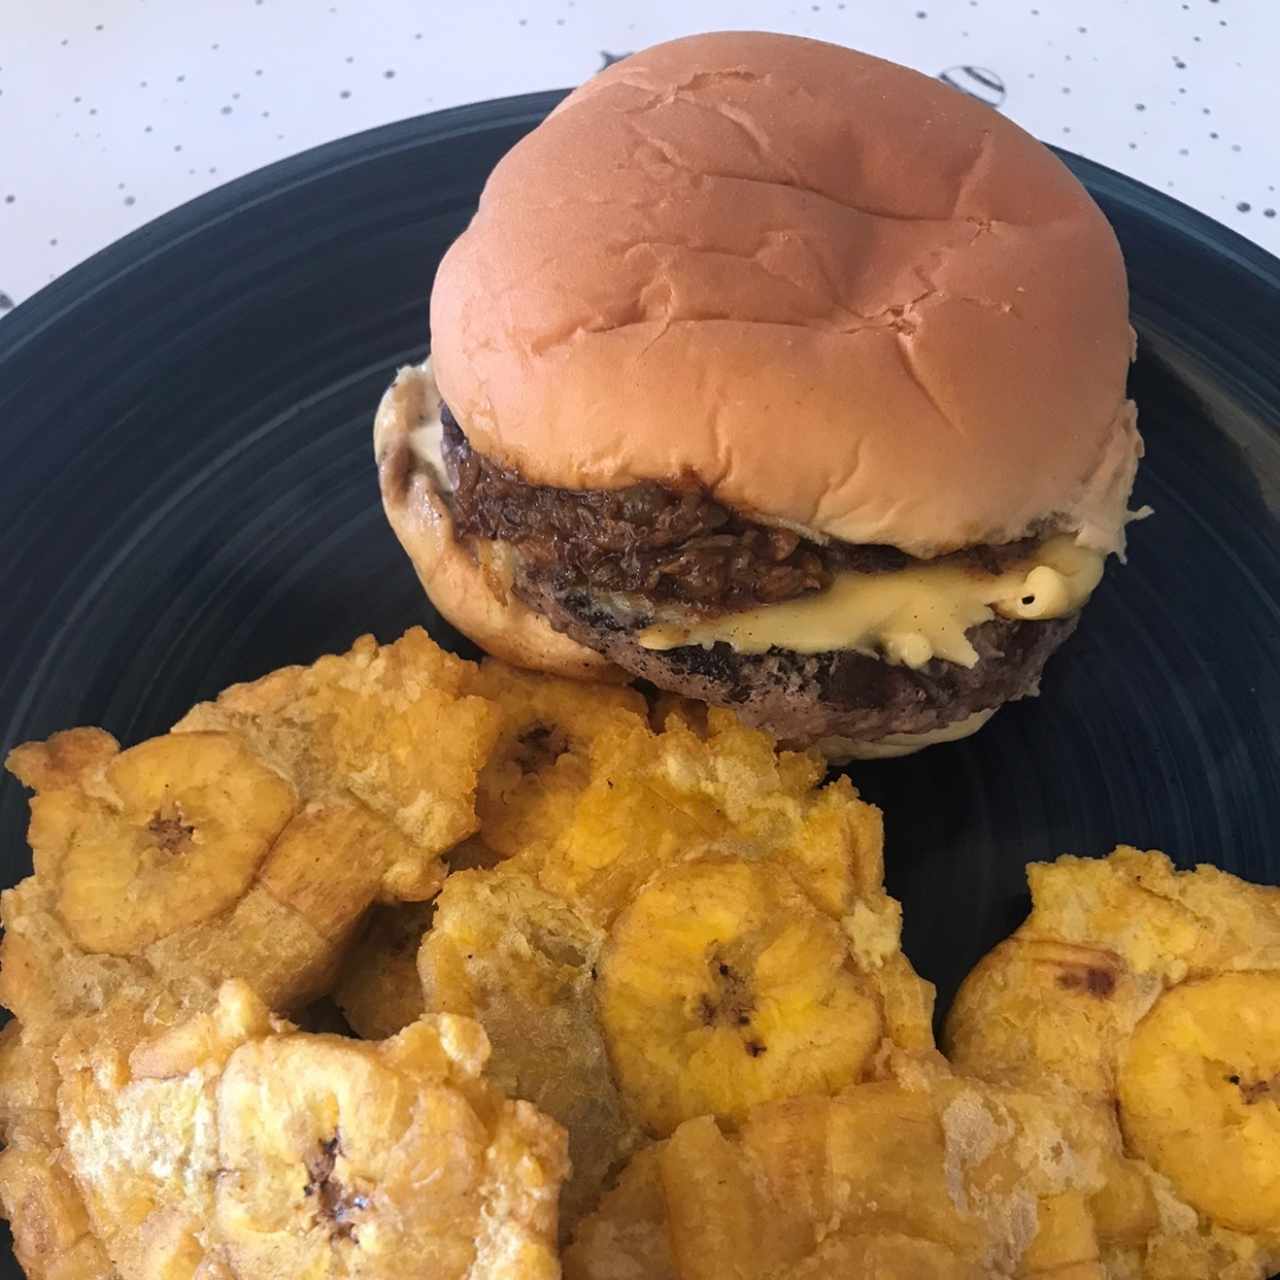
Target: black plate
189,500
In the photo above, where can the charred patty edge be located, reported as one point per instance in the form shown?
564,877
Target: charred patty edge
803,697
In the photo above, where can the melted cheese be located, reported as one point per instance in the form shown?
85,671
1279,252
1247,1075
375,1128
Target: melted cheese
907,616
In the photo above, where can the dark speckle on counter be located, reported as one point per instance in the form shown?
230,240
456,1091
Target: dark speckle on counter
290,94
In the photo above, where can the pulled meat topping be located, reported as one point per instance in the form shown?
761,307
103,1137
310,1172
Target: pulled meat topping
669,543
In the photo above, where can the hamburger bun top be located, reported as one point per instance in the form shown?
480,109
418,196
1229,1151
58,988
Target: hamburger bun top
834,292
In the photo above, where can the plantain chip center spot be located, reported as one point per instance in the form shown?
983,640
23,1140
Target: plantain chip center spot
1254,1091
171,830
336,1206
540,746
729,1003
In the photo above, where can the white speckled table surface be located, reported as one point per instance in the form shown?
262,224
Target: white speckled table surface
113,111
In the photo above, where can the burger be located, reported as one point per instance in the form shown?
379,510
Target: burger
781,377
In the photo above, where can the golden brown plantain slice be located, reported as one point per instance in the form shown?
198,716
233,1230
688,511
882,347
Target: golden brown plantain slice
52,1239
230,1145
286,931
1159,920
136,1113
49,983
541,759
1199,1096
626,1238
722,986
1183,1253
286,890
289,932
411,1167
379,991
928,1176
1136,988
251,846
28,1077
522,962
654,796
152,840
45,978
53,984
1037,1007
392,725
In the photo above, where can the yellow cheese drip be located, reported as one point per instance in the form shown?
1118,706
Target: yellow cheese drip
907,616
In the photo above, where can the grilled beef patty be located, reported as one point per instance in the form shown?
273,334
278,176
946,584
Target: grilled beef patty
805,696
666,544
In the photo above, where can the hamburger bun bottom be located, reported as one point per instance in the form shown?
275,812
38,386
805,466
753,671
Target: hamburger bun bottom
472,596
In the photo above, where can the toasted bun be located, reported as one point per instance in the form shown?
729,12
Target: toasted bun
471,596
835,292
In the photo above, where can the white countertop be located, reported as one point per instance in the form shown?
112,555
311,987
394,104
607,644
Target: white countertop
113,111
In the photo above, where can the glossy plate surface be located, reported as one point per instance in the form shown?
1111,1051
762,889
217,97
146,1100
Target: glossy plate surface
189,500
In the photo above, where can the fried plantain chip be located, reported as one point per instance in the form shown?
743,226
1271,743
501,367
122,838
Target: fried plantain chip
289,932
51,984
1151,997
285,929
653,796
626,1238
1037,1006
248,844
379,991
908,1178
522,962
252,846
52,1239
1210,1049
140,843
706,930
392,725
722,986
231,1145
541,760
45,978
48,982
